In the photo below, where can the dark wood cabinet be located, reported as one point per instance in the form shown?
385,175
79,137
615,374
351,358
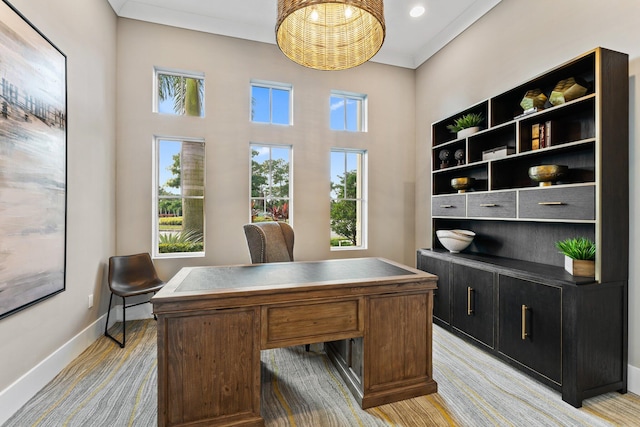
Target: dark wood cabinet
472,305
565,331
575,328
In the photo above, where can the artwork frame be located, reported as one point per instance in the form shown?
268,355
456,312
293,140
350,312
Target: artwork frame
33,164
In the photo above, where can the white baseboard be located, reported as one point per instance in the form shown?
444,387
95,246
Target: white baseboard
24,388
633,380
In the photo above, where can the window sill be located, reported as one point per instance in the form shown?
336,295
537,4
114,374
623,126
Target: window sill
174,255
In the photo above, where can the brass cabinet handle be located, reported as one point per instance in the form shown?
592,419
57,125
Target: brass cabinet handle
469,303
446,206
525,334
551,203
488,205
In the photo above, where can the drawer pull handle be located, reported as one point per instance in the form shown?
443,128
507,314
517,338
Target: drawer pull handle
446,206
525,333
551,203
488,205
469,300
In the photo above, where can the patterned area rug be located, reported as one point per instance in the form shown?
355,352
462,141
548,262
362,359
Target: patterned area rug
109,386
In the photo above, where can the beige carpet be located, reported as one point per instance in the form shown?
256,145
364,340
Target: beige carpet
109,386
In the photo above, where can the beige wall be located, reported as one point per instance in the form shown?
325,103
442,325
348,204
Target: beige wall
229,64
518,40
86,32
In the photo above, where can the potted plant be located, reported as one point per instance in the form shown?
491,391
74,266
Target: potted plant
466,125
579,256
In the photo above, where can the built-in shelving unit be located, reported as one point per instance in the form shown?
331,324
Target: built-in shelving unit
571,333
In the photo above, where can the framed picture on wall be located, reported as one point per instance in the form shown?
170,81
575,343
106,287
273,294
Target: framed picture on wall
33,164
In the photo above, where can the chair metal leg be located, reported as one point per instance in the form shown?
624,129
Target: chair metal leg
124,322
106,327
154,315
124,319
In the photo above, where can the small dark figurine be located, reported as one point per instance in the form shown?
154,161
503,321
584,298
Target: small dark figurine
459,156
444,158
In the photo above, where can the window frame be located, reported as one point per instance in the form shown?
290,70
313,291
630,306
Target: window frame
156,254
289,199
179,73
364,107
363,199
271,85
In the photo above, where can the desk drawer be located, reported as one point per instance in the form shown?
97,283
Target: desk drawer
306,323
453,205
576,203
492,205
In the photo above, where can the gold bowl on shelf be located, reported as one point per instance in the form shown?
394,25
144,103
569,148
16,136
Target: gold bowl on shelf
547,174
462,184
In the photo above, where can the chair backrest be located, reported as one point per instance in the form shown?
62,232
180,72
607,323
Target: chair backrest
269,241
131,270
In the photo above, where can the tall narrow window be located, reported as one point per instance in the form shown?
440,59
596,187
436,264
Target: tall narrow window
348,199
179,93
179,202
270,183
348,111
271,103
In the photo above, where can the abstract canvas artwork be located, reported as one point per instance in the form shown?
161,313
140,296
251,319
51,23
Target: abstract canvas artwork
33,160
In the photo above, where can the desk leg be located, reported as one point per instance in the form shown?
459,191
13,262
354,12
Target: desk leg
209,368
397,348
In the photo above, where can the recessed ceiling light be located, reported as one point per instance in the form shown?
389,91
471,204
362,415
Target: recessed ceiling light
417,11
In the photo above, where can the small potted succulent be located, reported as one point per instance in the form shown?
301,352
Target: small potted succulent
466,125
579,256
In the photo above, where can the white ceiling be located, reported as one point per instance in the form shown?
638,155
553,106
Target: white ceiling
408,43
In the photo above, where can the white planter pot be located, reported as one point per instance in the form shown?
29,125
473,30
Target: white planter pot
468,131
579,267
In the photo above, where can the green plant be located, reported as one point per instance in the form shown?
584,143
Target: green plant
170,248
341,241
579,248
184,241
466,121
171,220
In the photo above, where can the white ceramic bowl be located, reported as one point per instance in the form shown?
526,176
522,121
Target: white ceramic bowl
455,240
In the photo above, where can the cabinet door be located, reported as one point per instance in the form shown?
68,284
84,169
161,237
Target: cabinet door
530,325
441,296
472,307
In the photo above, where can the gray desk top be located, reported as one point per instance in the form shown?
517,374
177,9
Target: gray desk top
244,276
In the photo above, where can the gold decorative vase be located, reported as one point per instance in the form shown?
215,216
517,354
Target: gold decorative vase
533,99
567,90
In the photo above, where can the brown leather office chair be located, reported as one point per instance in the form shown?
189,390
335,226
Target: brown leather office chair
129,276
269,241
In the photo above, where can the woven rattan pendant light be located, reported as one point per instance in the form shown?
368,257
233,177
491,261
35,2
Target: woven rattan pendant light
330,34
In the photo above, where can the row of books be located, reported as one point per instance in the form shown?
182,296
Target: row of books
541,135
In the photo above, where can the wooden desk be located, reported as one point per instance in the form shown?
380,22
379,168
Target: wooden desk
213,322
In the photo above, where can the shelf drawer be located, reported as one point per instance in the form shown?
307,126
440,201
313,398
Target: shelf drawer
558,203
453,205
492,205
